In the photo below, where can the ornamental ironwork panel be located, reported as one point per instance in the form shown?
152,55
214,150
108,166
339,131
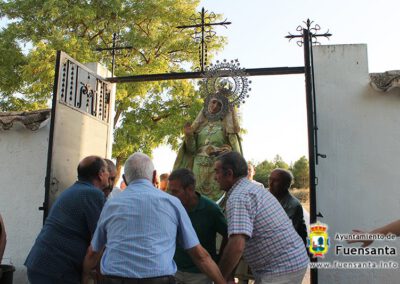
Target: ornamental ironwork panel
80,122
82,89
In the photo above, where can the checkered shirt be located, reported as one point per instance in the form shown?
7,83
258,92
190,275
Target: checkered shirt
273,247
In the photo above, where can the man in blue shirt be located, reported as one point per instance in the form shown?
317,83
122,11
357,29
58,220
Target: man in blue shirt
139,229
59,250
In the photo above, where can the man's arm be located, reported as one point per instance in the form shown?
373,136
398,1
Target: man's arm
89,263
391,228
299,224
221,227
224,242
232,254
205,263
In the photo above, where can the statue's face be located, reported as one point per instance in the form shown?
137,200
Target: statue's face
214,106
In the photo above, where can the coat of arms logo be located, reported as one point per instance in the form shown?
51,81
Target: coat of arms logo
318,241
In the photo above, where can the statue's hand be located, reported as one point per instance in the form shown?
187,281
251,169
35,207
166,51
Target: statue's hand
187,128
221,150
225,148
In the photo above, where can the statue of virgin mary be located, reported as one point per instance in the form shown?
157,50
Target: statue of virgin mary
215,131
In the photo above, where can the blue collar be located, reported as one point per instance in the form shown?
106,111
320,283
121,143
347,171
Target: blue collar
84,182
140,181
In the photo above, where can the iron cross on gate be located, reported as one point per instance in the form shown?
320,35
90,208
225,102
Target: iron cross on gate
113,49
203,32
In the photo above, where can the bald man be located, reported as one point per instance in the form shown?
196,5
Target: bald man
279,182
59,250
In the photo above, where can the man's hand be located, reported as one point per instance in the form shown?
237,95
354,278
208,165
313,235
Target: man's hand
204,262
391,228
365,242
89,263
86,278
232,253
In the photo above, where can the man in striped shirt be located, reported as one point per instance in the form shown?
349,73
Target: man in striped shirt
258,228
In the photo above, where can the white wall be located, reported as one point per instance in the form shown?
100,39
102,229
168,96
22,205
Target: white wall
23,167
22,173
359,131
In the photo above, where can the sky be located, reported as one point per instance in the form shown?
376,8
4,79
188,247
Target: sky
274,116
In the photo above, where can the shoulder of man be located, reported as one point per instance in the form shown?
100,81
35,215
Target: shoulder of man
294,202
170,198
209,204
89,193
78,188
204,199
245,188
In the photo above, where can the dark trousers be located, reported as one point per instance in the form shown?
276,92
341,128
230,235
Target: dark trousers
39,278
121,280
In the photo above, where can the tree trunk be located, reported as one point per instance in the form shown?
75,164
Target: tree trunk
119,168
117,115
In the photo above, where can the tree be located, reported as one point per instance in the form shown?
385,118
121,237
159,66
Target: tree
280,163
11,60
262,172
300,172
147,114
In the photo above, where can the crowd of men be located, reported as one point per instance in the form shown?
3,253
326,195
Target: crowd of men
146,235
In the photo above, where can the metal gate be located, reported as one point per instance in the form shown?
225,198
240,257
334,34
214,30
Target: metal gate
80,123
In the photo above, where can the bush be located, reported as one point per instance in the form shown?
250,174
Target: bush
302,195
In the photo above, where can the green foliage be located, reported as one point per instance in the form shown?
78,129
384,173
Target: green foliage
303,195
280,163
11,60
155,116
262,172
147,114
300,172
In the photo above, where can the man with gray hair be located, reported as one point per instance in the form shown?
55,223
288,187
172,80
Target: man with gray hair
279,182
139,229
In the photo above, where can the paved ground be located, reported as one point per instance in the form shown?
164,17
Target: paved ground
307,277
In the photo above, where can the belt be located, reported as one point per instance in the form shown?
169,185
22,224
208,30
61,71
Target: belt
107,279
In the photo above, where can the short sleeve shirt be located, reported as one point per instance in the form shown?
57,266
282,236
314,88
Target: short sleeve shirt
61,246
273,247
139,229
208,220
